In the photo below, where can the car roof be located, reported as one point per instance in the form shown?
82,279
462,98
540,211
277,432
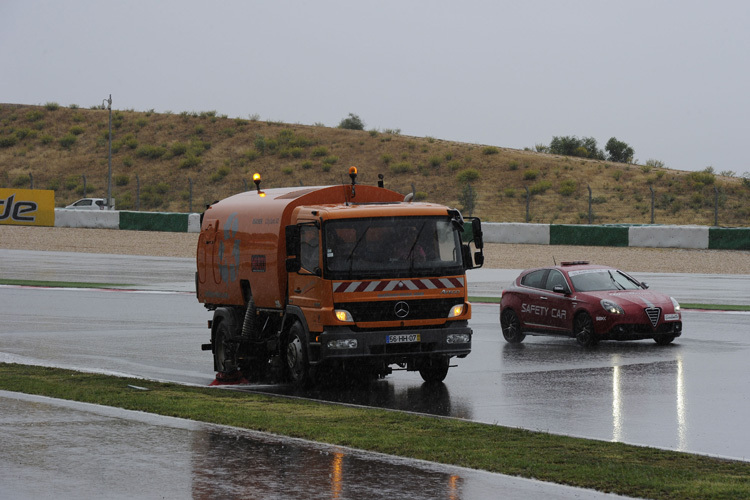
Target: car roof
568,266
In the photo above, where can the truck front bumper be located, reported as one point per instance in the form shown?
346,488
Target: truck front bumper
393,345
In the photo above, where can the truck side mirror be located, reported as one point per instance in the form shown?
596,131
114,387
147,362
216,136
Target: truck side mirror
478,259
292,240
476,228
292,248
293,265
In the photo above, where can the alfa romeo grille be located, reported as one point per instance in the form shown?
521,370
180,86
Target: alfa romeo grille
653,314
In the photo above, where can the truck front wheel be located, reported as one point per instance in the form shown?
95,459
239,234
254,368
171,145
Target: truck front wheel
434,370
296,356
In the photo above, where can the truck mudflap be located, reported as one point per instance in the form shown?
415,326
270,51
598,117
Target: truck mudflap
395,345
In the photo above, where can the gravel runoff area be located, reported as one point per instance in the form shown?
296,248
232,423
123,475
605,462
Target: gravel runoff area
497,255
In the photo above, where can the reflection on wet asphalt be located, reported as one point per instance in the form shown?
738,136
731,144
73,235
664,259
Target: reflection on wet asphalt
689,396
57,449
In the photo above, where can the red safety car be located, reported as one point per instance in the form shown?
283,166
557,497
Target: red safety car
587,302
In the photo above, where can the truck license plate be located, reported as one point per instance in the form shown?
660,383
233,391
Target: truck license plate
404,338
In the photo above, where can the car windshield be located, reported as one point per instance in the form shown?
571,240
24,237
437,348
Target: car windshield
594,280
391,247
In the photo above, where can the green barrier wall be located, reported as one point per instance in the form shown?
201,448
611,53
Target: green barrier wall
150,221
725,238
605,236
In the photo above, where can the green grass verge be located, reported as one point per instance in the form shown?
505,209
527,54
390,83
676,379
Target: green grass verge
605,466
715,307
719,307
60,284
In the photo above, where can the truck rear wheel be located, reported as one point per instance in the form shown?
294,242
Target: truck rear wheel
225,351
296,356
434,370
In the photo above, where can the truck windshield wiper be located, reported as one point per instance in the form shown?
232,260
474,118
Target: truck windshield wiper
410,255
350,257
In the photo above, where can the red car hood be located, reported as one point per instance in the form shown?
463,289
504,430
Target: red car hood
640,298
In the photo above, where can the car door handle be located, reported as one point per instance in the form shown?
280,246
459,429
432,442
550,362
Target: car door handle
297,290
542,298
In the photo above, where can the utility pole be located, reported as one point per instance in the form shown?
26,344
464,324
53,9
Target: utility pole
109,156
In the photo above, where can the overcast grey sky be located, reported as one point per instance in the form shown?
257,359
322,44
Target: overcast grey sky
670,78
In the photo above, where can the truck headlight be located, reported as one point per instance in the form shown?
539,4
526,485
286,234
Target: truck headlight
342,344
456,310
458,338
611,307
343,315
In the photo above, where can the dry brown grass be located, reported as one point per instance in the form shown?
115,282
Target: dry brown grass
620,191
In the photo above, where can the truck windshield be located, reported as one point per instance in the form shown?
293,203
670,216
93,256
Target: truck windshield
391,247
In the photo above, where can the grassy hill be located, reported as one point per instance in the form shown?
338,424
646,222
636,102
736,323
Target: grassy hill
155,157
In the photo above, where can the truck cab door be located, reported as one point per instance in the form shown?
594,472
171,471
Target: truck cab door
305,285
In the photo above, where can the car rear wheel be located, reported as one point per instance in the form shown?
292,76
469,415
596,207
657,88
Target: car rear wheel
511,327
583,329
663,339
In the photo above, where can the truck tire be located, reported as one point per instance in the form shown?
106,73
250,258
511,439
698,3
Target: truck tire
225,351
434,370
296,356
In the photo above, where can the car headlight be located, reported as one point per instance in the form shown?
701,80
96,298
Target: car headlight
343,315
611,307
675,304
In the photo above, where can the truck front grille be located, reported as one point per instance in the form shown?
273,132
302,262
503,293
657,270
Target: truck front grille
394,310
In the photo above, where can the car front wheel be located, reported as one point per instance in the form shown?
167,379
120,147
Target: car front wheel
664,339
583,329
511,327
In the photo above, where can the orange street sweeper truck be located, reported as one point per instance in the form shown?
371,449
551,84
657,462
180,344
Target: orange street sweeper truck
349,279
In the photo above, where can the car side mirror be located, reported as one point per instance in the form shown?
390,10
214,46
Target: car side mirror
644,284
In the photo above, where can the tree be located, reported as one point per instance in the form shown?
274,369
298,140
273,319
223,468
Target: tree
573,146
468,198
619,151
352,122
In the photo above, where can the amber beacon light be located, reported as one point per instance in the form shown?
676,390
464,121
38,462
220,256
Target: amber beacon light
256,180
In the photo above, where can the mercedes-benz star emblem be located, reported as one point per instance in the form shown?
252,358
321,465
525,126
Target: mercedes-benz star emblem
401,309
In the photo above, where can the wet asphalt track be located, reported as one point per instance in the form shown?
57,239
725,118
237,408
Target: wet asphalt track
689,396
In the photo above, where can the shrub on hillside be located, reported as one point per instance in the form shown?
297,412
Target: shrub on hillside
403,167
540,187
189,161
8,141
68,140
568,187
20,180
35,115
468,175
352,122
151,151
